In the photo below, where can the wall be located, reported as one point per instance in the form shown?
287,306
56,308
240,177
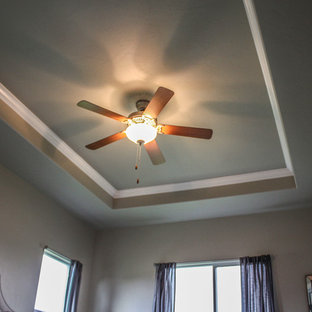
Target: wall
123,276
29,221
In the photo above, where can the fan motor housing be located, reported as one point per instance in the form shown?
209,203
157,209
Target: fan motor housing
135,114
141,104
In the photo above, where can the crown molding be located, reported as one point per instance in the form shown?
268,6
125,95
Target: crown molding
205,183
37,124
265,67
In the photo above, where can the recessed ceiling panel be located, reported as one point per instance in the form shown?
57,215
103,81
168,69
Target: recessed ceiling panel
112,53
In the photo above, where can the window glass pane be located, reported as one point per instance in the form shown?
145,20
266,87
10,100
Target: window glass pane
228,289
194,289
52,285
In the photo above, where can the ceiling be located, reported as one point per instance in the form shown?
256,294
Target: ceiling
55,54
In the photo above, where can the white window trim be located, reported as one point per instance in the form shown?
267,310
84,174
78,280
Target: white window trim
57,256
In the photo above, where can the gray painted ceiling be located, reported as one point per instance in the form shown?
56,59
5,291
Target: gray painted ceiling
54,54
107,51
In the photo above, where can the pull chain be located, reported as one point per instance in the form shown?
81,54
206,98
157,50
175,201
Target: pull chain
138,158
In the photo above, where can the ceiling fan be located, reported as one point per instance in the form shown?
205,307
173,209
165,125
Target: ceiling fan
142,126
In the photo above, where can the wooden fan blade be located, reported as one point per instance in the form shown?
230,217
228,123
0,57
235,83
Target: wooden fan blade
106,141
154,153
200,133
157,103
100,110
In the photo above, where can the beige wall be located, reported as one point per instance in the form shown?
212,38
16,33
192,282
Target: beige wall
28,221
123,273
123,276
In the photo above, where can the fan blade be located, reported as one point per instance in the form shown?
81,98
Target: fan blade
200,133
154,153
157,103
106,141
100,110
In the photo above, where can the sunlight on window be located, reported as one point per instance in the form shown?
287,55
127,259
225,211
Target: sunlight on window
52,285
228,289
194,289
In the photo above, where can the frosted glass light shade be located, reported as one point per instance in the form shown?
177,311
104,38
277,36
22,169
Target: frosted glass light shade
141,132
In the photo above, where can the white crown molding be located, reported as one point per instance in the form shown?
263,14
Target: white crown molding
26,114
264,63
205,183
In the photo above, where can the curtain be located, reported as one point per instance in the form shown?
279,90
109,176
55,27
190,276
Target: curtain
257,284
165,287
73,286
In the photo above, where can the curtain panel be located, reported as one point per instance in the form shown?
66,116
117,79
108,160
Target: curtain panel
73,286
164,297
257,284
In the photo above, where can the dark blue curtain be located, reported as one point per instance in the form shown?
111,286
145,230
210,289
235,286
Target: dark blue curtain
257,284
73,285
165,287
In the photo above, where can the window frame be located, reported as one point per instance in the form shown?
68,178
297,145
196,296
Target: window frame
56,256
48,252
215,265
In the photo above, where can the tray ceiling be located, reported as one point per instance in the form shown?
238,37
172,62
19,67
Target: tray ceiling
55,54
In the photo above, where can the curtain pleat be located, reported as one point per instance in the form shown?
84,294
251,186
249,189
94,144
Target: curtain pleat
257,284
73,286
164,297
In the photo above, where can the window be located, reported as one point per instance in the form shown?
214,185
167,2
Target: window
53,281
208,287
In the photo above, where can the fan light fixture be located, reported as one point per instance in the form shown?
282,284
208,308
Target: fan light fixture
141,129
142,126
